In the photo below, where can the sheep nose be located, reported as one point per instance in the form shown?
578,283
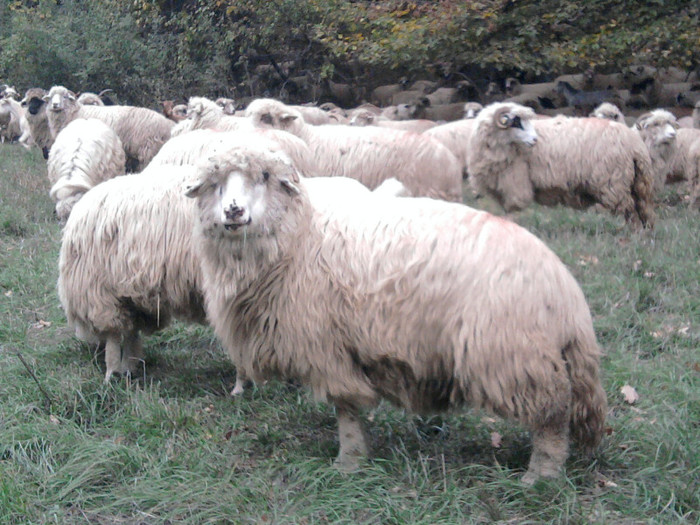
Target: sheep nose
232,212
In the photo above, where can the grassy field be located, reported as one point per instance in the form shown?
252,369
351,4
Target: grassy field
173,447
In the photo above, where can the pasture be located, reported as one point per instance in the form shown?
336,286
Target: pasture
171,446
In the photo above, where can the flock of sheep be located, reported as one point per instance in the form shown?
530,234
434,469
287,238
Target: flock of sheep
330,245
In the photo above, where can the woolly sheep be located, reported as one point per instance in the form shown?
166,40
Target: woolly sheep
85,153
573,161
609,111
90,99
141,130
369,154
228,105
368,118
674,157
472,109
13,123
203,113
456,137
428,304
37,119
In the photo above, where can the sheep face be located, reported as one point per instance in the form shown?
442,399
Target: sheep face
657,128
270,113
472,109
514,126
60,98
244,192
362,118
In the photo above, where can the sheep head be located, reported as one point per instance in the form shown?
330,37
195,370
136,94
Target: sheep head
228,105
33,100
657,128
472,109
363,117
59,99
608,111
507,124
244,192
270,113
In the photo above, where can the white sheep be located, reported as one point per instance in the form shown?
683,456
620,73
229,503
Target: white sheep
141,130
86,152
573,161
609,111
13,123
203,113
675,152
428,304
369,154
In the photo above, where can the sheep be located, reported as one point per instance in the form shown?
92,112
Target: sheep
382,95
13,123
203,113
37,119
228,105
175,112
573,161
85,153
369,154
141,130
367,118
428,304
88,98
609,111
464,90
673,156
472,109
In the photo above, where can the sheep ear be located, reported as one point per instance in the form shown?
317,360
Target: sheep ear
195,190
287,118
290,186
641,121
72,96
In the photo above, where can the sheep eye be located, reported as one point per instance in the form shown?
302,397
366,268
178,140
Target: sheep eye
266,118
266,175
517,123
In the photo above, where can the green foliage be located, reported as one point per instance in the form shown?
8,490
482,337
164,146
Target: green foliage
149,49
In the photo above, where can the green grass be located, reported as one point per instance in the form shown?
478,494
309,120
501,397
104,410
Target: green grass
176,449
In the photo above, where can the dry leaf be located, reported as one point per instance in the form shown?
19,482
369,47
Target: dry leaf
119,440
41,324
630,394
649,274
495,440
585,260
637,264
8,293
488,419
54,420
605,483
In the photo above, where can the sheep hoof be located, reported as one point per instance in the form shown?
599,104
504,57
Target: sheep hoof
237,390
529,479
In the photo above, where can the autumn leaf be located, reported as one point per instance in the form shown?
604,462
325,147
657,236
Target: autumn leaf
495,440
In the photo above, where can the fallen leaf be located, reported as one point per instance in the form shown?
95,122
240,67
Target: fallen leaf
605,483
683,330
609,431
649,274
696,367
636,265
119,440
488,419
8,293
41,324
54,420
495,440
630,394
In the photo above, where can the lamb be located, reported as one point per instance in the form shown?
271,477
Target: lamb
573,161
380,303
86,152
609,111
37,119
671,149
141,130
369,154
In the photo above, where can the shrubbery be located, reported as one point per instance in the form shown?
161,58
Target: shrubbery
148,49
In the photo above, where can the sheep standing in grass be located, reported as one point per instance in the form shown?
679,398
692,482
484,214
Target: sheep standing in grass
428,304
37,119
573,161
141,130
13,123
85,153
675,153
369,154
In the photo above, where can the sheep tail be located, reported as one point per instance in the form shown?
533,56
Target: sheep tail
643,192
588,400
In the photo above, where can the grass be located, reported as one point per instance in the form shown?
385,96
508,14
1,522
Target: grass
176,449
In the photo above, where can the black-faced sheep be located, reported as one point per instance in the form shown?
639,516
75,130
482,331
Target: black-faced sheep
369,154
86,152
573,161
428,304
35,106
141,130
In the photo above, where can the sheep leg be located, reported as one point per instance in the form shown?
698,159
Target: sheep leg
241,382
113,356
352,440
550,448
132,356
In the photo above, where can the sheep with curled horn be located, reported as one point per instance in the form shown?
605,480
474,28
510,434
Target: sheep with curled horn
142,131
369,154
577,162
361,301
